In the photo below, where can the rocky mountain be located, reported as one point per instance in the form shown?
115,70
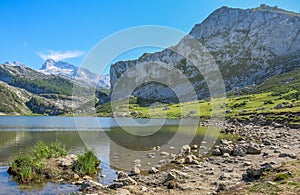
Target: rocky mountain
73,72
26,91
248,46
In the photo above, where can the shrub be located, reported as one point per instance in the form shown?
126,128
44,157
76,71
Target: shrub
87,164
42,151
26,169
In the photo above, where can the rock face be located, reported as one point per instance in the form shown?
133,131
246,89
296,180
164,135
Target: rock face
26,91
248,46
73,72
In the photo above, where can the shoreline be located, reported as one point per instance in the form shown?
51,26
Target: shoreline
228,165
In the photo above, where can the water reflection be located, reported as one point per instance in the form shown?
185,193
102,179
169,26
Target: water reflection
117,149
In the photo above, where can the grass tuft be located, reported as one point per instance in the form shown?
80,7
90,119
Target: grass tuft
87,164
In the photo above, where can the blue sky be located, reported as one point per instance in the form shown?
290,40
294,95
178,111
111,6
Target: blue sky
33,30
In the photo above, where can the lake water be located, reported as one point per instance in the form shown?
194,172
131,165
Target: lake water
117,147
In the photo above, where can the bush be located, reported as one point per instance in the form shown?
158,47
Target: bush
87,164
42,151
26,169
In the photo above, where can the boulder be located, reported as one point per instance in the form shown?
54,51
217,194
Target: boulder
239,151
253,149
254,172
216,152
226,149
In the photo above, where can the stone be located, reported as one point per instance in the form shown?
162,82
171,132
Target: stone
282,155
164,154
144,189
226,149
180,161
292,155
189,159
286,146
151,155
267,142
195,162
224,142
162,162
121,191
216,152
171,176
86,177
226,155
277,150
122,174
194,147
185,149
135,170
247,163
156,148
254,172
239,151
87,184
153,170
84,186
224,176
253,149
279,106
221,187
76,176
126,181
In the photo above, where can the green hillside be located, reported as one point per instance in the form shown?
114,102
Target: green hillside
276,100
10,103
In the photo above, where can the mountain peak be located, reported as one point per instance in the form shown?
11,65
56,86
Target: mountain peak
71,71
13,63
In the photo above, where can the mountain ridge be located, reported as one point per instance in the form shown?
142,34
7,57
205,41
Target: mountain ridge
248,45
73,72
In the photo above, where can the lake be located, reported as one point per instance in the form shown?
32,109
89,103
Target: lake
117,143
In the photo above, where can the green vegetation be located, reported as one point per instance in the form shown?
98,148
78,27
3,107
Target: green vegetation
40,165
265,188
281,180
276,100
10,102
87,164
31,168
57,85
42,151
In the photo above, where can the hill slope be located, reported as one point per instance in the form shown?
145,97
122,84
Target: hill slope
249,46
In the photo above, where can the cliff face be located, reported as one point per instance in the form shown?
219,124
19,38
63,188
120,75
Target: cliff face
248,46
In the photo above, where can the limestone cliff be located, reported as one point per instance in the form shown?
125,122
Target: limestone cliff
248,46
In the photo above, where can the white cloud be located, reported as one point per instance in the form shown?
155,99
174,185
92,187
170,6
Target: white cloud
60,55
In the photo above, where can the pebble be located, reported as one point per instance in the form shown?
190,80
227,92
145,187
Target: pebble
247,163
226,155
283,155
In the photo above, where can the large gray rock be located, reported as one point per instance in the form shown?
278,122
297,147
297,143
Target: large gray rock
253,149
249,46
239,151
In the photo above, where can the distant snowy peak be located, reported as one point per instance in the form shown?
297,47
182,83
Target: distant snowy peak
73,72
59,68
13,63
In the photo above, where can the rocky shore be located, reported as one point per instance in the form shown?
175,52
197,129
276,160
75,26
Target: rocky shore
230,165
